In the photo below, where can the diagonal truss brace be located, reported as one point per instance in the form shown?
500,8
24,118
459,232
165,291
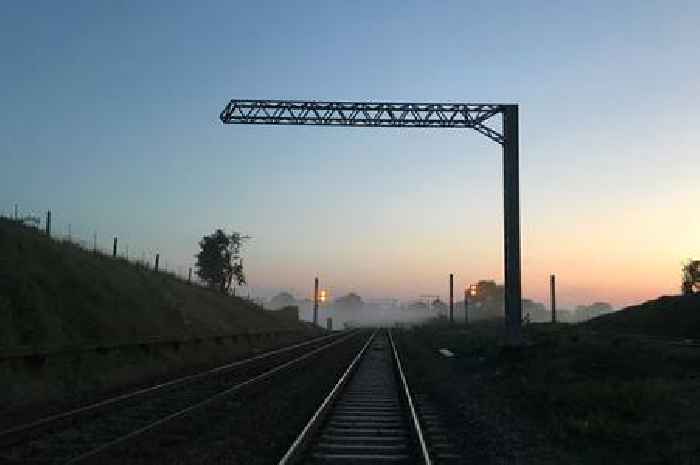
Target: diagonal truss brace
365,114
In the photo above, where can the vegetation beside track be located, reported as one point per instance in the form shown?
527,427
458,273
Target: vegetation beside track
57,300
569,396
55,294
668,316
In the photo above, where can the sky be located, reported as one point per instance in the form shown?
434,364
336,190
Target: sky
110,120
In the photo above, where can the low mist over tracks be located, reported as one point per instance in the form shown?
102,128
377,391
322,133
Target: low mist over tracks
91,432
369,416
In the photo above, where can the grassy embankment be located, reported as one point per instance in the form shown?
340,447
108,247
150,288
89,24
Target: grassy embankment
55,295
569,396
668,316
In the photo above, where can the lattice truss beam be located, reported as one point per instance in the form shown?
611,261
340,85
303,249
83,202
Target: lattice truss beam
365,114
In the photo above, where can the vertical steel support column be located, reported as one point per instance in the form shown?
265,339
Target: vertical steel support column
511,229
315,301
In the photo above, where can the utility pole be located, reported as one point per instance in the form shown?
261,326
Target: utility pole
315,301
48,223
70,235
189,276
452,299
114,248
94,242
157,260
466,304
16,212
553,297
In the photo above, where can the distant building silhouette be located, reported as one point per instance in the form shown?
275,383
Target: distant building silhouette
283,299
349,303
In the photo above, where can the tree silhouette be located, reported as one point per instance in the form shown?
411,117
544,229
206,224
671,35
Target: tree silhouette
283,299
219,260
439,306
691,277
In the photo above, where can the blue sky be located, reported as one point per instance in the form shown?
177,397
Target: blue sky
111,120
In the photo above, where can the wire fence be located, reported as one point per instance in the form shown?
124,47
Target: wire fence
94,241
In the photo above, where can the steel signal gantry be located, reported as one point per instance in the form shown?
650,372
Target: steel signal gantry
417,115
364,114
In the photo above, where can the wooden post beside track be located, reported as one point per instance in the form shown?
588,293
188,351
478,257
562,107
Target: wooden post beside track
466,305
315,301
452,299
553,297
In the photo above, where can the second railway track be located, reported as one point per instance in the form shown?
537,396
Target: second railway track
87,432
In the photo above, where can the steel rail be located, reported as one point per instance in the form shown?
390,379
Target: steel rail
207,402
16,434
295,451
411,406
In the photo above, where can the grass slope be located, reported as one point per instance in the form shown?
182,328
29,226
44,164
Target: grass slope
54,294
668,316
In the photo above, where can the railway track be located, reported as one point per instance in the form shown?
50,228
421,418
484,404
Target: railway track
86,433
370,417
